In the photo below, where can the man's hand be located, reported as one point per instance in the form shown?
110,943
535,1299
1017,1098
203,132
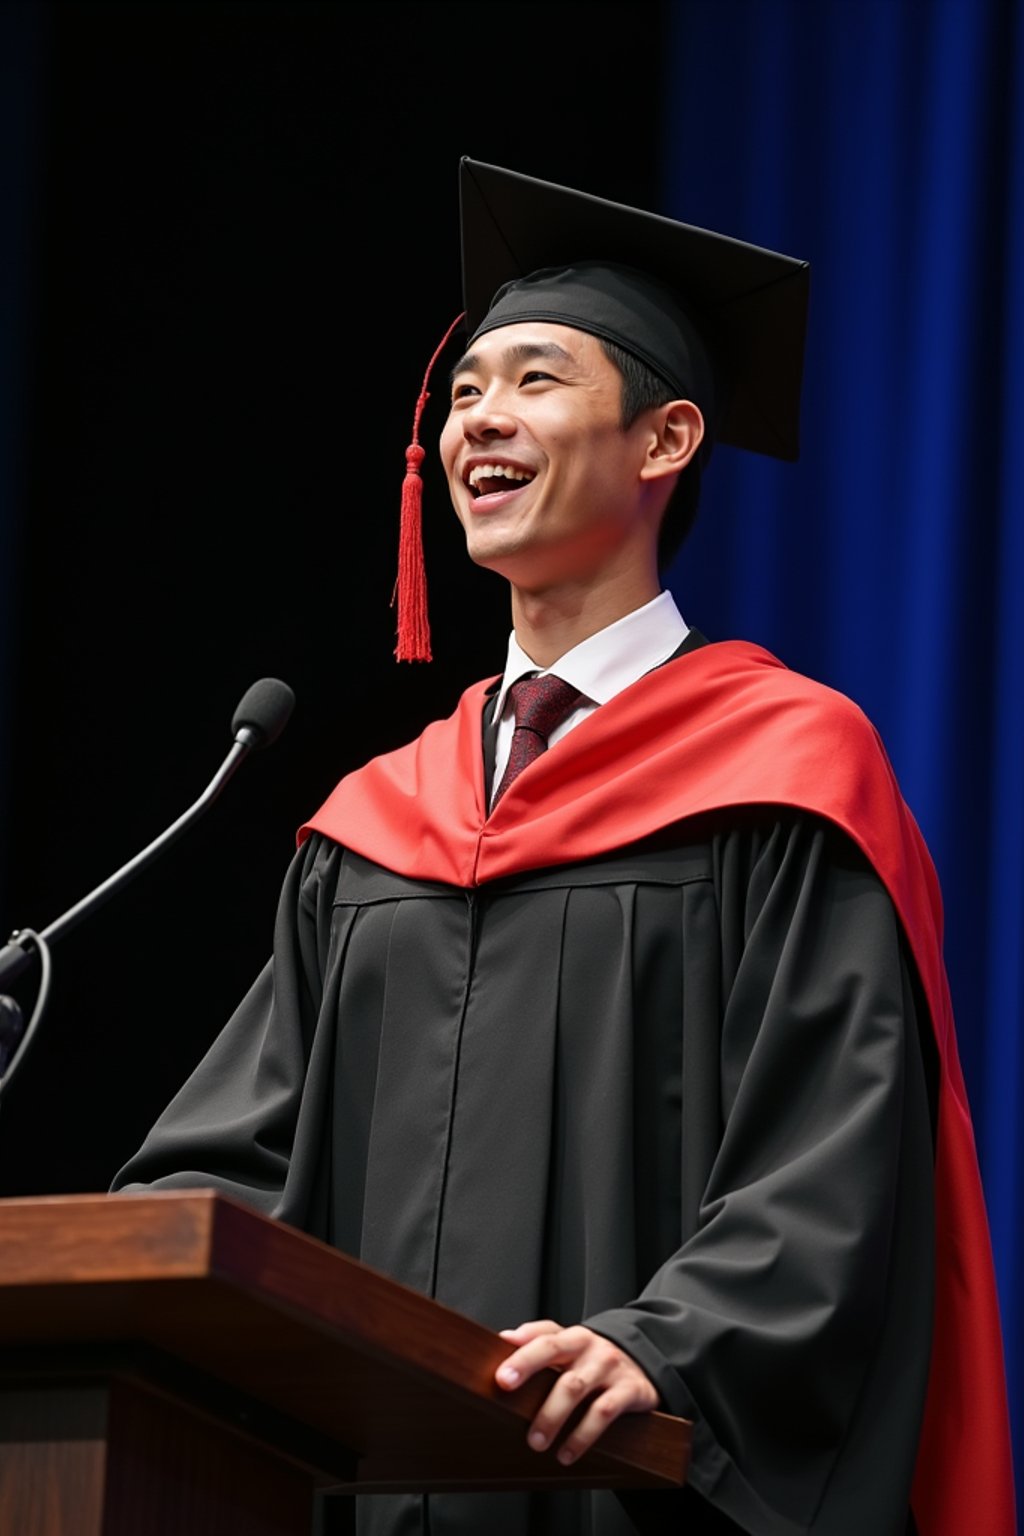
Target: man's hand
589,1364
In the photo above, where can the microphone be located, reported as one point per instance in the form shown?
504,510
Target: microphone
262,714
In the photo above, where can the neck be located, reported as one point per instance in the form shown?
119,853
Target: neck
549,623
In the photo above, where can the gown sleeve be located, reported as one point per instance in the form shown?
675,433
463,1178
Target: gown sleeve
793,1324
251,1119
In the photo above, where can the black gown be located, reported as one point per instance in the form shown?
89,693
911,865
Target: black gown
677,1093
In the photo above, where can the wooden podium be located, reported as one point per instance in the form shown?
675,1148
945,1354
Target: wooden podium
176,1364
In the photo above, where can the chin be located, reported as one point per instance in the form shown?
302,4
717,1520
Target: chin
491,561
488,548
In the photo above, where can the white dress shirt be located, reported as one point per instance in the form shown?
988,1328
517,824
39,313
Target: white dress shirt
600,667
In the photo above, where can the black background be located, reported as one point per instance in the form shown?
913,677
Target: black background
245,253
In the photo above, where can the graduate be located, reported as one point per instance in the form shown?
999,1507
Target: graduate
611,1011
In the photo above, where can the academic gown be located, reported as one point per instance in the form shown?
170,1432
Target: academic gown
677,1090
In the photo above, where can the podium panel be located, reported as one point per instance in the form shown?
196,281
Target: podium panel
167,1357
120,1459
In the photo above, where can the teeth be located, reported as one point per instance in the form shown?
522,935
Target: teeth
497,471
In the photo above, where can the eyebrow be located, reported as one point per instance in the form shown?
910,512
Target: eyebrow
522,352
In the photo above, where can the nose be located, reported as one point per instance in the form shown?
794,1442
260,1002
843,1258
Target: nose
485,419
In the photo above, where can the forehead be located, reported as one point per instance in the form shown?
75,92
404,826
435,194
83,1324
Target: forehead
509,346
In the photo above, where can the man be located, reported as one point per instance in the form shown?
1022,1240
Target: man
611,1011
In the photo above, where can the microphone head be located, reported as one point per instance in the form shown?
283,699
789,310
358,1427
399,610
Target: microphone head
263,712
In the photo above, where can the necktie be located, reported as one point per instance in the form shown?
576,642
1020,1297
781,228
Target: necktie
540,705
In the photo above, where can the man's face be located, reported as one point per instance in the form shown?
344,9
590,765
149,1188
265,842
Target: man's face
539,406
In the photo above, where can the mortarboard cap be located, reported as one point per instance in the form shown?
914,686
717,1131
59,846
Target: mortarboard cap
648,283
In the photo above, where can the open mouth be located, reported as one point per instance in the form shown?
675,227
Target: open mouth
492,479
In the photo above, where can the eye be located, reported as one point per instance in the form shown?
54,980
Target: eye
534,375
461,391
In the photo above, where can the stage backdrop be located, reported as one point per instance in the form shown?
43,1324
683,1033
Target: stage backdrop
883,141
21,33
207,377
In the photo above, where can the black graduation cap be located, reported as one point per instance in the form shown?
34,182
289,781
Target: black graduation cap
658,288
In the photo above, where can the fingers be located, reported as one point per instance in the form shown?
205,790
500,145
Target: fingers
527,1331
542,1345
590,1367
626,1397
565,1397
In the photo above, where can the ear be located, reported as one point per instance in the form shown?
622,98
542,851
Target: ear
676,431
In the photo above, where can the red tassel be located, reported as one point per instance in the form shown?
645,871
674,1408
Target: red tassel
411,585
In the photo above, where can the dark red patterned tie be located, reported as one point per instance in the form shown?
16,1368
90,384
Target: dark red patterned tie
540,704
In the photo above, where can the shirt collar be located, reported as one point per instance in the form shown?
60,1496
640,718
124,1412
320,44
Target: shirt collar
608,661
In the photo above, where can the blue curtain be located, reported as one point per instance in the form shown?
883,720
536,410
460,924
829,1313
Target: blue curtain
883,140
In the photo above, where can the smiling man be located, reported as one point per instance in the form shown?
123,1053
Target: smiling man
611,1011
544,473
556,493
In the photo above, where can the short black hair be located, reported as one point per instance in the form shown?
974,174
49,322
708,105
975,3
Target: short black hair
643,390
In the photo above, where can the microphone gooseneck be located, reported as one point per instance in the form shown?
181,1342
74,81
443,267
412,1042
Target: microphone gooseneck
261,716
